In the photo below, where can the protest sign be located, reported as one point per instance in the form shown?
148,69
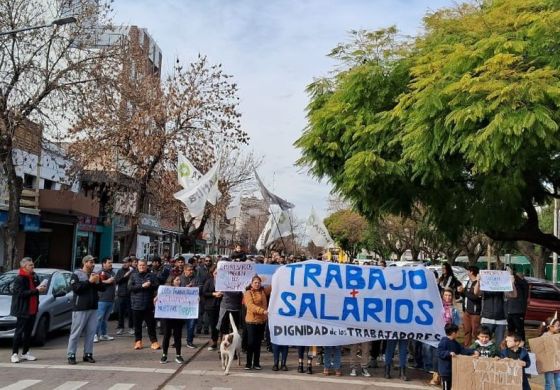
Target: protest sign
474,373
265,271
547,350
495,280
320,303
234,276
177,302
532,369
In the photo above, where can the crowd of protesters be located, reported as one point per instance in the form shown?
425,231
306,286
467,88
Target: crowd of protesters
492,322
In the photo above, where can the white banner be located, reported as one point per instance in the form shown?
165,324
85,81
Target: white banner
177,302
187,174
320,303
195,198
234,208
234,276
318,231
281,226
491,280
261,241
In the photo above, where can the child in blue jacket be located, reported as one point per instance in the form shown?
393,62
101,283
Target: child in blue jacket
447,348
515,350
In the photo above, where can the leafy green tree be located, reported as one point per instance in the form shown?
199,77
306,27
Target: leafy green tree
348,229
464,122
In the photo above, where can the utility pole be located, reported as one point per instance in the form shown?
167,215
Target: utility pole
555,255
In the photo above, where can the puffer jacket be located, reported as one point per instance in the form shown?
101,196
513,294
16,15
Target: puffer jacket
256,303
142,298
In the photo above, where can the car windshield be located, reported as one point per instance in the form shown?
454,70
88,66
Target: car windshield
7,278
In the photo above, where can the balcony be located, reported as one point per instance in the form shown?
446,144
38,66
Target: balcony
68,203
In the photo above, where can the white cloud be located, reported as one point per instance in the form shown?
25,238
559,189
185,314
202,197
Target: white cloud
273,49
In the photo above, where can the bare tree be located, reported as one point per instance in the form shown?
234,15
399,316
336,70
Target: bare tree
45,74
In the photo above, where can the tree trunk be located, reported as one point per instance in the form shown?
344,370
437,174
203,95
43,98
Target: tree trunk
15,187
537,256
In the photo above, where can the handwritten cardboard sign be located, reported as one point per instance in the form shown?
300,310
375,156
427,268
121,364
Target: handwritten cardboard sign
177,302
234,276
547,351
473,373
495,281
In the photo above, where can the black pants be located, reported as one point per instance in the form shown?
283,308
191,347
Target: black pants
226,328
446,382
255,334
22,335
176,326
124,311
377,349
140,316
516,324
213,316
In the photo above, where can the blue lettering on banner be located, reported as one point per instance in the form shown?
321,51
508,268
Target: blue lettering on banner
354,301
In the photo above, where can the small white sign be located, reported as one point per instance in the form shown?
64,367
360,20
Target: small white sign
177,302
495,281
234,276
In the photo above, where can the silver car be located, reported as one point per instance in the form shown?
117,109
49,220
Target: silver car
55,305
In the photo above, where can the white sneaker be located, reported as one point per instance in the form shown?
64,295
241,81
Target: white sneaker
353,372
131,331
95,339
120,331
15,358
365,372
29,357
106,337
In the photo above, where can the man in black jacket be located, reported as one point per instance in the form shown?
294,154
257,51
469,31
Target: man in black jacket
25,304
143,286
123,296
516,307
85,285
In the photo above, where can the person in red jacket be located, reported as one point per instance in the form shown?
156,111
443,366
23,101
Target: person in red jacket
25,305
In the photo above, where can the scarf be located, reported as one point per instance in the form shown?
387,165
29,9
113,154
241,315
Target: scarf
33,299
448,312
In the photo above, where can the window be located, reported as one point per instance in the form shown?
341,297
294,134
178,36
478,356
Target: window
48,184
59,284
28,181
546,293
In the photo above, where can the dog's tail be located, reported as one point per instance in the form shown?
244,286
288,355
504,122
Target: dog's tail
232,322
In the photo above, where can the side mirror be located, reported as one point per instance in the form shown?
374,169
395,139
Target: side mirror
59,294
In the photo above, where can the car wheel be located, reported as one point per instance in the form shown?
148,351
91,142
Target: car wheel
42,331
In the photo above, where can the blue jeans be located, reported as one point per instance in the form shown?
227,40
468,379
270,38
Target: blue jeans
498,331
103,313
280,354
390,352
191,325
429,356
332,357
551,378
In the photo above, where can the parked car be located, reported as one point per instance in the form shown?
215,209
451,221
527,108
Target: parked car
543,300
55,305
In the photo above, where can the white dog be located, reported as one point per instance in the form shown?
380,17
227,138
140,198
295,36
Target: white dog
230,344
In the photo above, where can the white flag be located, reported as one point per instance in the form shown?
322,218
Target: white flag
318,231
234,208
214,195
187,174
260,244
195,198
281,226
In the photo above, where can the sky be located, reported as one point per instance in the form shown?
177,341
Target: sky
273,49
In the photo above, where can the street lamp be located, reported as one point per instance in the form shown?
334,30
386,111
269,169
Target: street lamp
56,22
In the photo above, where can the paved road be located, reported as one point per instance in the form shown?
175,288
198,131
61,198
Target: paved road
119,367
